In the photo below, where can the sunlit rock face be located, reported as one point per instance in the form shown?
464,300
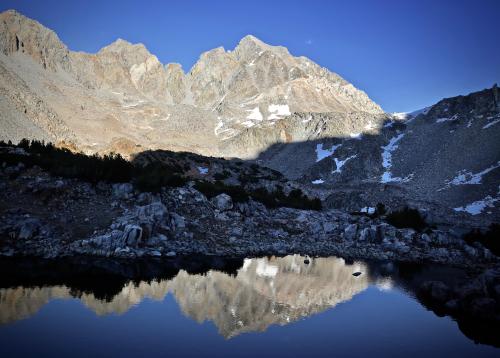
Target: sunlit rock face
123,92
264,291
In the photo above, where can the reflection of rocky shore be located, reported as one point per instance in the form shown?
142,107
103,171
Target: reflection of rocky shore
263,292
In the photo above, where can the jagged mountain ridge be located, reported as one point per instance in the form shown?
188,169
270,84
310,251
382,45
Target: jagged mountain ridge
122,96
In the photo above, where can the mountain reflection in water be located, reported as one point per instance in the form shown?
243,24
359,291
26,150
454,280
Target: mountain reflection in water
264,291
235,295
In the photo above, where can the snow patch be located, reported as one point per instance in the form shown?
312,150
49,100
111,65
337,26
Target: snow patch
451,119
202,170
255,114
387,161
370,126
477,207
318,181
356,135
248,124
467,178
324,153
389,124
423,111
400,115
491,123
340,163
308,119
278,110
368,210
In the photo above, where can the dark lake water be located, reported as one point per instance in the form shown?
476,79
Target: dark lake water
266,307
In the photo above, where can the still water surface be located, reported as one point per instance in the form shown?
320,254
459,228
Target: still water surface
266,307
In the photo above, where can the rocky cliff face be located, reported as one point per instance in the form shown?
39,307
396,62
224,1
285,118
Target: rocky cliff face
124,93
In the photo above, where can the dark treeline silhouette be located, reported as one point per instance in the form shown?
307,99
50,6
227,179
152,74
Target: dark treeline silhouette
489,239
277,198
146,176
407,218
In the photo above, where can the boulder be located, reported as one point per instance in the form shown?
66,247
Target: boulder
470,251
132,235
153,212
123,190
425,239
28,229
222,202
350,232
329,227
367,234
178,221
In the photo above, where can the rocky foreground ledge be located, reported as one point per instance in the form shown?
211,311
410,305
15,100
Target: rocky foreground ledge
49,217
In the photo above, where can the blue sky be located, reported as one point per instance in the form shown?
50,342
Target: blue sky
404,54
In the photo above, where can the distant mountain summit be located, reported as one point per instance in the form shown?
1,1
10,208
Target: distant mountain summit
124,94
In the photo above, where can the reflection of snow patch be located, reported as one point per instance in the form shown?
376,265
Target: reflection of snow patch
324,153
265,269
318,181
355,135
384,284
246,264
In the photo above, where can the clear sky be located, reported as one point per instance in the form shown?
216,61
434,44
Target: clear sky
404,54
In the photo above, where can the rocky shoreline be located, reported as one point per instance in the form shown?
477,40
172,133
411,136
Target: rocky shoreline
68,217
